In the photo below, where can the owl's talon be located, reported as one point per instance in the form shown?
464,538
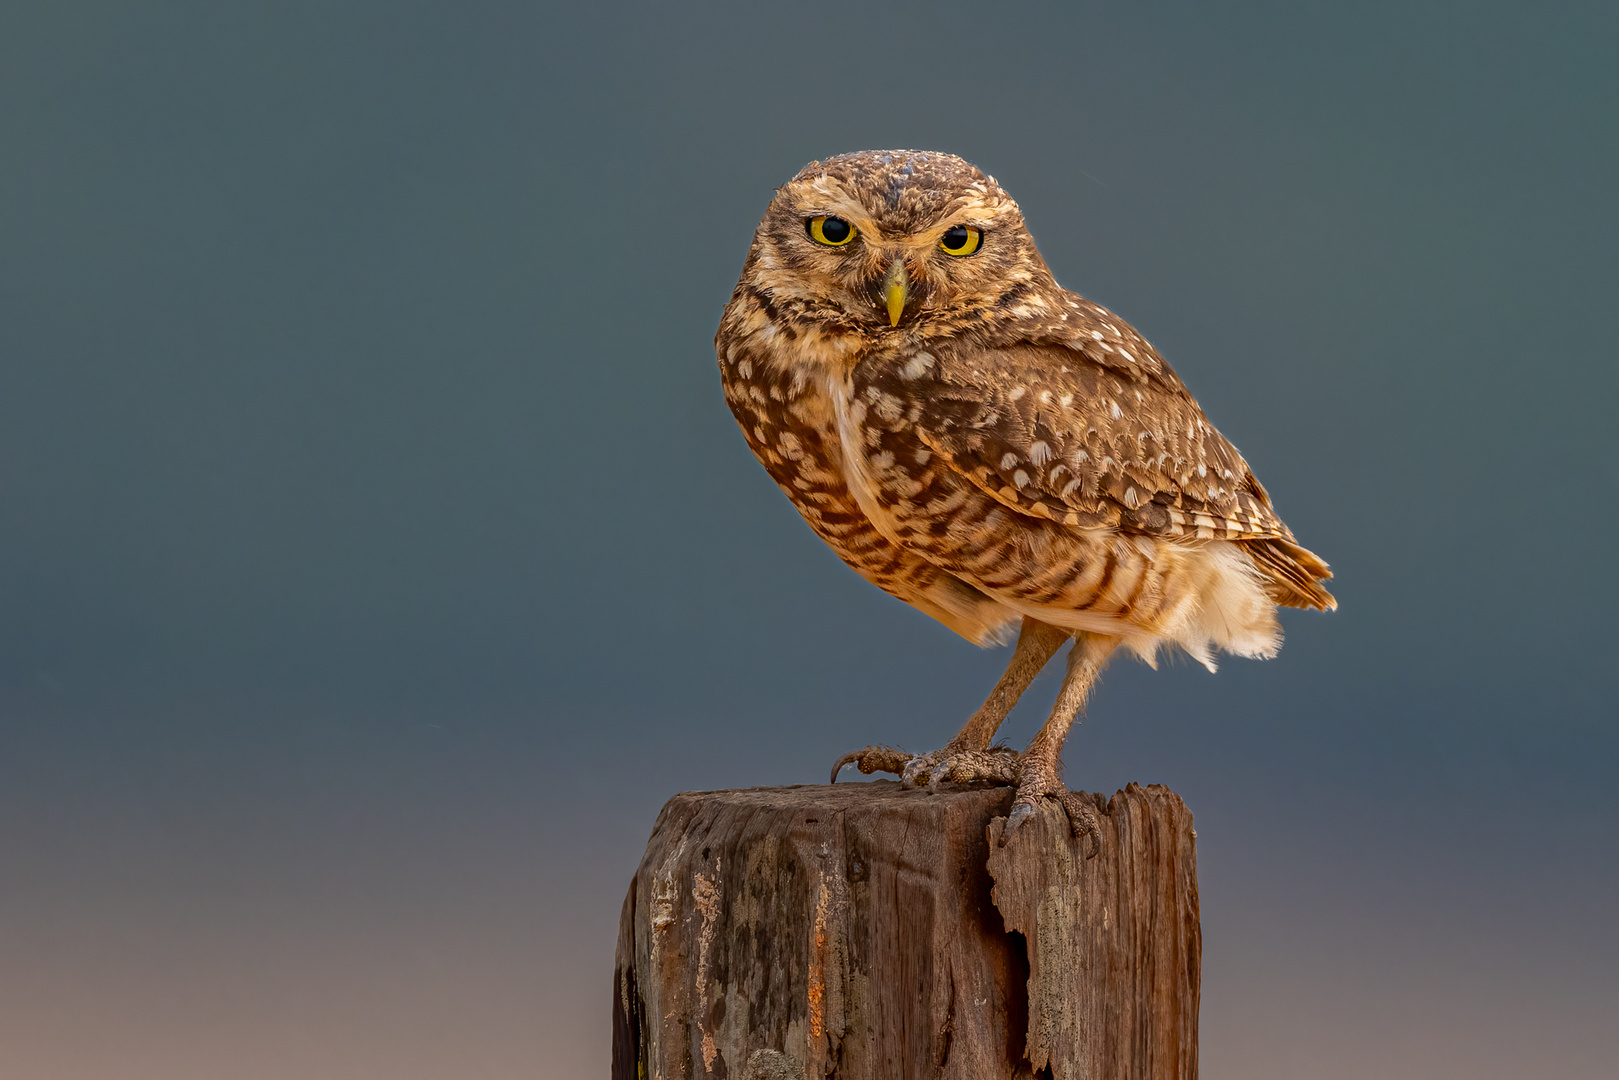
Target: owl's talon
1082,820
870,759
837,766
1021,812
995,765
1039,783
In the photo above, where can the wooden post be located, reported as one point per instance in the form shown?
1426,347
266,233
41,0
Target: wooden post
866,932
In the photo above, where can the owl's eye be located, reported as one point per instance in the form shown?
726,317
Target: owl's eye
961,239
831,231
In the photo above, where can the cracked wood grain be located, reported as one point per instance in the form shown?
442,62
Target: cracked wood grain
868,932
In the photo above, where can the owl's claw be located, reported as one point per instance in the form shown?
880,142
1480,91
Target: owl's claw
1021,812
889,759
996,765
1082,820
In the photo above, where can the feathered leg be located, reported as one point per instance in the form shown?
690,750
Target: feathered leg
1040,764
969,756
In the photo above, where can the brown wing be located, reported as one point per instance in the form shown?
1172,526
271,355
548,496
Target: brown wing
1091,431
1047,432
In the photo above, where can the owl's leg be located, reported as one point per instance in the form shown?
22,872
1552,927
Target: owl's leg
969,756
1040,764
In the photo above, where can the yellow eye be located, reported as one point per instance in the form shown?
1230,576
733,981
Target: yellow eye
831,231
961,239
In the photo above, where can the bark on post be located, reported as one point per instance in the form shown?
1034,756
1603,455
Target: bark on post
866,932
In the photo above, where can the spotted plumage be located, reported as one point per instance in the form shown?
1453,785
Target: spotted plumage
990,448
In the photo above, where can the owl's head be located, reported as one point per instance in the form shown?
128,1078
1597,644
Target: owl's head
895,238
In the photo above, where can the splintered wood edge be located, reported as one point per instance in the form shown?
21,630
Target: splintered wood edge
1148,825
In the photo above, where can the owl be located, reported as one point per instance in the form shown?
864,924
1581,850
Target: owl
1002,454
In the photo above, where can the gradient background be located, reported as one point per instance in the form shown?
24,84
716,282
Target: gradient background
377,553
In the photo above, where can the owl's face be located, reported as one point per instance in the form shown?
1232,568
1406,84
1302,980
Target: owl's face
892,239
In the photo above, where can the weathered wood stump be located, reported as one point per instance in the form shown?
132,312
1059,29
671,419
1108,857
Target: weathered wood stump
866,932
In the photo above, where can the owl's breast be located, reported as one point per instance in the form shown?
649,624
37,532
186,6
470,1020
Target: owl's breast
787,407
790,426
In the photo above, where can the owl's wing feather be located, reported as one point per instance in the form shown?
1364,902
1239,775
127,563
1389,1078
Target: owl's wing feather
1062,430
1052,434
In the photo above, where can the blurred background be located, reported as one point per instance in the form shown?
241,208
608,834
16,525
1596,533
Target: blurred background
377,553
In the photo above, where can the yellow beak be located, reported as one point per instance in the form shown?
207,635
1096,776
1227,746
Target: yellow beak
895,292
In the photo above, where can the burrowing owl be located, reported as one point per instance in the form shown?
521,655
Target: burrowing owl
989,447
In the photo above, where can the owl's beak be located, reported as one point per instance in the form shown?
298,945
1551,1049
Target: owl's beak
896,290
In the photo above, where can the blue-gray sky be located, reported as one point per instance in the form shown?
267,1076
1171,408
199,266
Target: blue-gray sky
377,553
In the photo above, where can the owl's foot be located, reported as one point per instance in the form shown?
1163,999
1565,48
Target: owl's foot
872,759
1040,781
996,764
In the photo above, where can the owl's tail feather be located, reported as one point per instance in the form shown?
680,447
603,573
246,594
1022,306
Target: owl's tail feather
1291,573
